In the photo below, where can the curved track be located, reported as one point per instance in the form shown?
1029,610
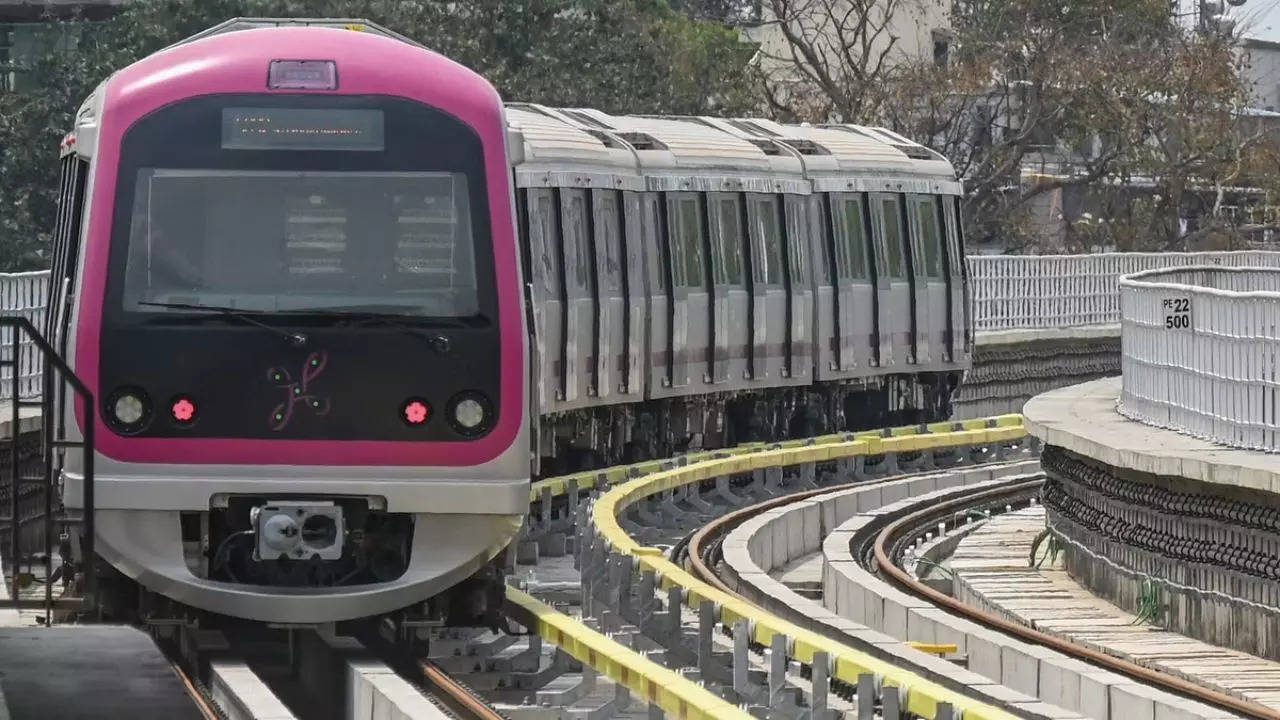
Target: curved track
881,547
886,549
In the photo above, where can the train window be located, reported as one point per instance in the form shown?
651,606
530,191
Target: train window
543,231
954,252
66,243
730,240
297,241
768,240
675,242
797,237
655,250
851,236
576,255
716,233
891,223
609,240
930,237
818,228
690,220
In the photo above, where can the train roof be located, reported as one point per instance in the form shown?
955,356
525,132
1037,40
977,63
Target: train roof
569,147
584,147
255,23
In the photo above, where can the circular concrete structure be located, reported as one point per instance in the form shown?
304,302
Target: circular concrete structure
1150,515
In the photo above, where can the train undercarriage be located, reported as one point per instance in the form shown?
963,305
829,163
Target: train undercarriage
600,437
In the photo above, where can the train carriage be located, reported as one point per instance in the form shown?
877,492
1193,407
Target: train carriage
777,280
289,272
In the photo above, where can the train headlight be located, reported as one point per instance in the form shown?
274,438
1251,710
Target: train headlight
470,413
128,409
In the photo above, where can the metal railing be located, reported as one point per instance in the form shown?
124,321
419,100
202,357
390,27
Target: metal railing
1200,353
23,295
1016,292
1010,292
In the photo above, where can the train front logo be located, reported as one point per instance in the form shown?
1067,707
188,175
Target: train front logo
298,391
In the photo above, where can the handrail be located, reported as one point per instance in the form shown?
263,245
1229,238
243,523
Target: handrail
1031,292
1243,273
1199,353
676,695
923,697
18,327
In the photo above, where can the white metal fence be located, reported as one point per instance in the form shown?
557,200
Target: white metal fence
1012,292
1200,353
1009,292
22,294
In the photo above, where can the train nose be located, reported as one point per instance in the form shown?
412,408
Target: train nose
446,549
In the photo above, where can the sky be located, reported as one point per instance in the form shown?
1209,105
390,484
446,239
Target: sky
1259,19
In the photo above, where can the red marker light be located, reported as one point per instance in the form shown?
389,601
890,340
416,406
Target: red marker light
416,412
184,410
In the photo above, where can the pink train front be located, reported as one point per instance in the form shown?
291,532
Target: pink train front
288,263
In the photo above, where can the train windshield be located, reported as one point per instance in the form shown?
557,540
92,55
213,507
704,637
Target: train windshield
298,241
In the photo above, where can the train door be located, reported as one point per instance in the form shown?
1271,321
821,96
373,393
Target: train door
958,310
633,253
768,294
861,340
548,293
893,284
610,311
929,276
660,288
691,317
579,322
799,354
732,311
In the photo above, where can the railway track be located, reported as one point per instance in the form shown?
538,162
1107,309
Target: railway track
882,549
237,676
878,539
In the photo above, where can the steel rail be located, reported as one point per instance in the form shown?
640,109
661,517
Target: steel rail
699,543
909,522
458,698
197,696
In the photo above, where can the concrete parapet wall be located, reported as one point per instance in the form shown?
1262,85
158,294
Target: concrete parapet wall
1211,553
1135,504
1010,367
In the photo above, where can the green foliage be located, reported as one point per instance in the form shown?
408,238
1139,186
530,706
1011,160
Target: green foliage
620,56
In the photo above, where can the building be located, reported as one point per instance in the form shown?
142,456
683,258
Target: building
1262,68
25,30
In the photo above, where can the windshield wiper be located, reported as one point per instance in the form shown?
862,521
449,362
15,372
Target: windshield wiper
440,343
294,338
384,317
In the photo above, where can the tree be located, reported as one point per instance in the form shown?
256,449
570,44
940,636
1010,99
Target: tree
615,55
839,56
1100,102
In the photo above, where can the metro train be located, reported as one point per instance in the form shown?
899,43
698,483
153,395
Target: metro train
337,304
